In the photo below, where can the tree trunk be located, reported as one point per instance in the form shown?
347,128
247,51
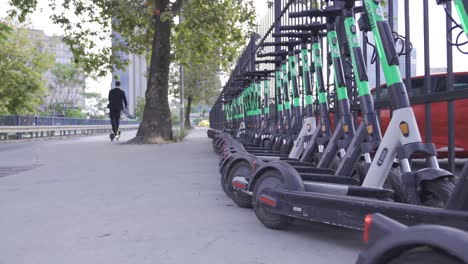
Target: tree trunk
187,113
156,125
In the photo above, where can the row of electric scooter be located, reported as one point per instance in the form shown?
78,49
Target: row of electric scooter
351,176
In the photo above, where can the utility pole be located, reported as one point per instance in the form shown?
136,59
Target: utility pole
181,76
181,73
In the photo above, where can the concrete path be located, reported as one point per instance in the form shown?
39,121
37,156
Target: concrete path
87,200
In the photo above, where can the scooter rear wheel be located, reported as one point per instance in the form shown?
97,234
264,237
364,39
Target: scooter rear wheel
269,180
242,199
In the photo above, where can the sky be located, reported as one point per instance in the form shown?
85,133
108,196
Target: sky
40,20
437,36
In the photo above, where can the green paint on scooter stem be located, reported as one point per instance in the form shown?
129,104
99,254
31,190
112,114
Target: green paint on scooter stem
266,87
296,101
342,93
305,61
284,75
322,98
309,99
461,10
258,95
305,71
375,14
332,39
292,66
278,89
353,42
317,55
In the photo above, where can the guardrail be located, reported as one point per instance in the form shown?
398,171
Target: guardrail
18,120
25,132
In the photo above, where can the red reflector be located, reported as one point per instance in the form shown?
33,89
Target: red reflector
267,200
239,185
254,165
367,225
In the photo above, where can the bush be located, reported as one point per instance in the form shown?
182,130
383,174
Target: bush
75,113
140,106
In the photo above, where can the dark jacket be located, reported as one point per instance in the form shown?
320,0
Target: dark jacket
117,99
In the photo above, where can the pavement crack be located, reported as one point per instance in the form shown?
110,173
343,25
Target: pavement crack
211,242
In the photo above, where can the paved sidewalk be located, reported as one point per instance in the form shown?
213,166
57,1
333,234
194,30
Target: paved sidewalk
87,200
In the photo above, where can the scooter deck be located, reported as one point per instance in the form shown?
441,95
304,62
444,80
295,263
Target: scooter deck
350,211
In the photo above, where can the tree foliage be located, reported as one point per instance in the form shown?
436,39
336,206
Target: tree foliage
140,106
213,31
202,85
218,28
22,65
96,105
66,87
207,26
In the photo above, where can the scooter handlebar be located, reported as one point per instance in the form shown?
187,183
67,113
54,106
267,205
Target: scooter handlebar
271,54
307,13
314,27
281,43
291,35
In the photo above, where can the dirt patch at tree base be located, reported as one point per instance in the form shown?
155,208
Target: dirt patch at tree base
138,140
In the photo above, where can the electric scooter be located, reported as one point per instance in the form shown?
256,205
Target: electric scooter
281,194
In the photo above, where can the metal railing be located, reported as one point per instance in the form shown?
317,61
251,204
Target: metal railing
414,20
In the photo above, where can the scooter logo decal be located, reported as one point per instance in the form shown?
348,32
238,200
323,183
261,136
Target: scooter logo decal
404,128
345,128
297,209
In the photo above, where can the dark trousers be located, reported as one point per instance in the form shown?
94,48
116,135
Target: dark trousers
115,119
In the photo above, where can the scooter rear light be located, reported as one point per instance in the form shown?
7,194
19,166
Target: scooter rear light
239,185
367,226
267,200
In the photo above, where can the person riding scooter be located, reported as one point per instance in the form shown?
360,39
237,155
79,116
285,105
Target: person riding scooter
117,103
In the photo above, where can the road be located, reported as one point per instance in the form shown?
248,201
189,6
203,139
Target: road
87,200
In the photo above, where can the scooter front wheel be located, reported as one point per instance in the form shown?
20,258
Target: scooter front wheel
424,255
436,193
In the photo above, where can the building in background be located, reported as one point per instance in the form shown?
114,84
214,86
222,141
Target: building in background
133,78
54,45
